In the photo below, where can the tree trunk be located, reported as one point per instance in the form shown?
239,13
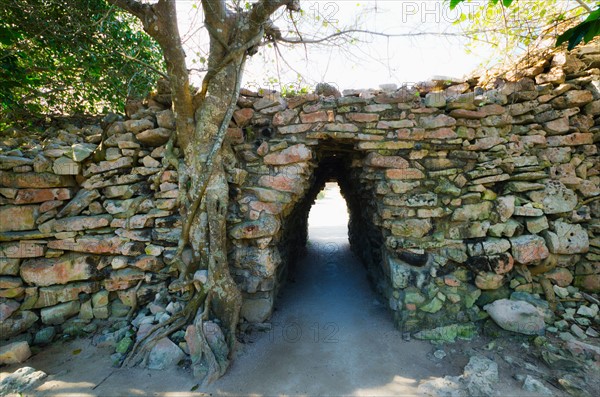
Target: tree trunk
204,192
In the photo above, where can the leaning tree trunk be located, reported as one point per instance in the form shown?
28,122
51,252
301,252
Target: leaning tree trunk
208,232
203,184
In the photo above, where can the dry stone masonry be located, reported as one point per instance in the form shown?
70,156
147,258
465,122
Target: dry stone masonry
458,197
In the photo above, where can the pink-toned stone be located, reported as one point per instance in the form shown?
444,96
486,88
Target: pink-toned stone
315,117
362,117
558,126
489,281
14,353
560,276
103,166
441,133
452,281
89,244
572,99
294,128
77,223
243,116
387,124
235,135
148,263
53,295
284,117
290,155
408,173
529,248
377,160
486,143
7,308
18,217
467,114
385,145
154,137
123,279
576,139
269,208
263,149
50,271
281,182
31,196
50,205
294,102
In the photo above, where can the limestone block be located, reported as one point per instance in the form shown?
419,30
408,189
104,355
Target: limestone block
14,353
528,248
18,217
567,239
61,270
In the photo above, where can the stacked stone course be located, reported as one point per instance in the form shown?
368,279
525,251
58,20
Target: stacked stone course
458,196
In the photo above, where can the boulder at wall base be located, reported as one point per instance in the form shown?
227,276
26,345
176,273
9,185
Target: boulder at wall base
13,353
165,354
448,333
256,310
21,380
517,316
478,379
17,323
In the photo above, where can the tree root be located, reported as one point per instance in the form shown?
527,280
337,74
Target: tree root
141,348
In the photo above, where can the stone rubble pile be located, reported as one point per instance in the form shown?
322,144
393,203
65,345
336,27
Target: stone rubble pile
458,197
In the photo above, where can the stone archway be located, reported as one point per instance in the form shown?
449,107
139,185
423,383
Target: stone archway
458,196
439,195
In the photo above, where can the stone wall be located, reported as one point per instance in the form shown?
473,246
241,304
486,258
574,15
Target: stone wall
458,196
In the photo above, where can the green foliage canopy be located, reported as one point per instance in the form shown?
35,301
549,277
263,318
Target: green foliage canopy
71,57
547,12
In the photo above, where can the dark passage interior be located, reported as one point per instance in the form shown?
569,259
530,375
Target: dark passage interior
336,163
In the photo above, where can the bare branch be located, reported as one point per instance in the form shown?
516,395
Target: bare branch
144,64
350,31
584,5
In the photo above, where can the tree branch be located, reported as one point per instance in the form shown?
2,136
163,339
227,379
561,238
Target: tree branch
215,12
349,31
262,10
142,11
584,5
144,64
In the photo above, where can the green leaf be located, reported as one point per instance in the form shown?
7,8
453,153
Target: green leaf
586,31
454,3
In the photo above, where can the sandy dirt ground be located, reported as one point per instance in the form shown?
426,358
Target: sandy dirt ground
330,336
